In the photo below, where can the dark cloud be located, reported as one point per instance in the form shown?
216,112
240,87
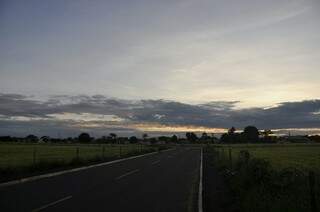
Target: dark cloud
304,114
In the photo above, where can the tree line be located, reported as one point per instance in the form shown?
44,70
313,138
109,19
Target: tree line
249,134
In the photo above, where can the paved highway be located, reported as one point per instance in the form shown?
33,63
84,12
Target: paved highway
165,182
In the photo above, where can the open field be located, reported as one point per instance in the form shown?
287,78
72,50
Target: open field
23,155
304,157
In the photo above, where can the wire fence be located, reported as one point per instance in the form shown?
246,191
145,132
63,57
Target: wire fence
22,155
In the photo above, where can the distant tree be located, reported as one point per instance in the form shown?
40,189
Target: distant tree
133,140
104,139
174,139
84,138
267,133
113,137
204,136
232,130
32,138
315,138
6,138
192,137
225,138
153,140
164,138
144,136
251,134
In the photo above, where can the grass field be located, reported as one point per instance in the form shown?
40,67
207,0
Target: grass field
301,156
24,155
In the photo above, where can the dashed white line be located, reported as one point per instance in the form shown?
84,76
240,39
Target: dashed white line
155,162
126,174
51,204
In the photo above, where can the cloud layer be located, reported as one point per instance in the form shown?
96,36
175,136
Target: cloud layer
68,115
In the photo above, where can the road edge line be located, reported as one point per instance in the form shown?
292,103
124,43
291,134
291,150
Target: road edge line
200,206
38,177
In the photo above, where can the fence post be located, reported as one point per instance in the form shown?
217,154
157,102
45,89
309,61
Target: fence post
34,155
230,156
312,192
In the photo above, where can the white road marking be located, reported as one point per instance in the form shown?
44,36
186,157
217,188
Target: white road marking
200,209
155,162
51,204
124,175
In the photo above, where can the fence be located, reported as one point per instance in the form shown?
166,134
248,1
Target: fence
22,155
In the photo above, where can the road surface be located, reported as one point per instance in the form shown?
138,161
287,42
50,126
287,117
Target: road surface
164,181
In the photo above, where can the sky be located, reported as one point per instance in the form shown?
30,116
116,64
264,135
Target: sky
173,65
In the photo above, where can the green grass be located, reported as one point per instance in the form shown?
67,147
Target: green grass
304,157
24,155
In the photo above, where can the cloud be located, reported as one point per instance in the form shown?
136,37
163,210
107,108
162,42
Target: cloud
100,114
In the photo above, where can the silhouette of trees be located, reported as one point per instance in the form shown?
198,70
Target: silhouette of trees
204,136
144,136
192,137
32,138
266,133
174,139
251,134
84,138
133,140
232,130
113,137
231,136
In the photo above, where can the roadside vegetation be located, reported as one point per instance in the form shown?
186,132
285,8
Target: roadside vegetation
267,172
269,178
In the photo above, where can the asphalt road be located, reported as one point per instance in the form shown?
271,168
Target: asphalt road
165,182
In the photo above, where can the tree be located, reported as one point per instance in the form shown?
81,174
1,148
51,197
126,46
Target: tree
225,138
251,134
204,136
174,139
133,140
192,137
144,136
267,133
232,130
32,138
84,138
113,137
153,140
